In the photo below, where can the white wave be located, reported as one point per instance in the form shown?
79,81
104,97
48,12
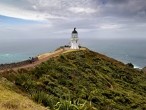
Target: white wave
135,66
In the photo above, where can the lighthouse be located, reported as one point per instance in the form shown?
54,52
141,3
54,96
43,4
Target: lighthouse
74,39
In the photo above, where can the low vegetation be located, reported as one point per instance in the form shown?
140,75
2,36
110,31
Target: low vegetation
11,98
83,80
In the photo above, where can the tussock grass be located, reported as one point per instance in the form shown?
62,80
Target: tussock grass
11,100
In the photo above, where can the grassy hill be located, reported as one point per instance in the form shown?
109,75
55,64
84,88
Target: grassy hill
83,80
11,98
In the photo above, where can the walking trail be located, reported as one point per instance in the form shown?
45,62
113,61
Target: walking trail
41,58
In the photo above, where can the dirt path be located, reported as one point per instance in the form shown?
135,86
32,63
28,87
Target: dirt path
41,58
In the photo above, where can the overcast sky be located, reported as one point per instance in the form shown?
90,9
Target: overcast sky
57,18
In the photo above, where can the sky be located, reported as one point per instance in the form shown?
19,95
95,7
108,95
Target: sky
104,19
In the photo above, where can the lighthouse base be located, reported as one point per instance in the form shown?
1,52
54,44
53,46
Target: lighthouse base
74,46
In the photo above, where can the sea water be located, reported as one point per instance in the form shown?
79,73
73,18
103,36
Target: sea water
125,50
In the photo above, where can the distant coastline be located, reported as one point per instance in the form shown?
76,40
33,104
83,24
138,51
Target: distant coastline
17,64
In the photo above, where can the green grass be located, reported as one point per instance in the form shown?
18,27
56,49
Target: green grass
95,80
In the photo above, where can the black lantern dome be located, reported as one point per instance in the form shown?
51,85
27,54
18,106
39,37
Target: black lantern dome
74,31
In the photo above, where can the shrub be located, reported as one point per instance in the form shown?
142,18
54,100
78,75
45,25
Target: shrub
21,78
130,65
42,97
62,57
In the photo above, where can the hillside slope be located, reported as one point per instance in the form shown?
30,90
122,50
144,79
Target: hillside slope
11,100
85,77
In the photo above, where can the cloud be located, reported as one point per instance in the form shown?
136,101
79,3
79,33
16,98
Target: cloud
125,8
16,12
45,9
60,16
48,9
118,1
109,26
81,10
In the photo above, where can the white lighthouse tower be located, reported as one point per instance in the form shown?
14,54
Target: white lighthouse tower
74,40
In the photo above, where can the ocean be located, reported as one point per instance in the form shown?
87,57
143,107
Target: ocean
125,50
